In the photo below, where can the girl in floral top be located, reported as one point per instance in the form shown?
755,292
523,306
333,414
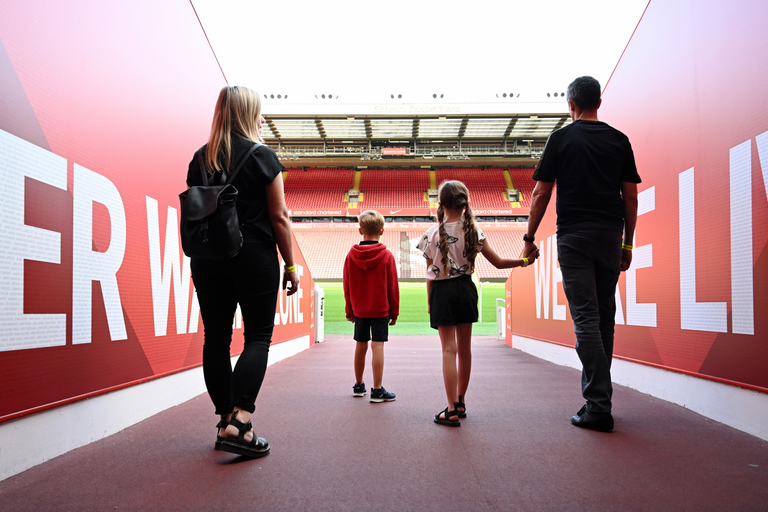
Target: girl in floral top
450,249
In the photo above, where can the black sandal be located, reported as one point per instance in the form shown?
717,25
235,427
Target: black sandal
460,405
219,426
256,448
444,420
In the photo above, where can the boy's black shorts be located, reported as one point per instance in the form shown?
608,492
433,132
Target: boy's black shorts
365,328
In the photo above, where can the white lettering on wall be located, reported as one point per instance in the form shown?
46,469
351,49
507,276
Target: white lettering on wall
20,160
642,257
546,272
289,308
558,310
89,265
166,270
541,273
298,296
742,294
713,316
698,316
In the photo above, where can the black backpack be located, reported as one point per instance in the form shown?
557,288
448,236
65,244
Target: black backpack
209,226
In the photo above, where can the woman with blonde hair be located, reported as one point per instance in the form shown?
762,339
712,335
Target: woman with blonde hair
450,249
251,278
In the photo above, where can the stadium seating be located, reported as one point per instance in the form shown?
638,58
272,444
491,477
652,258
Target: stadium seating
317,188
486,186
394,188
325,249
524,183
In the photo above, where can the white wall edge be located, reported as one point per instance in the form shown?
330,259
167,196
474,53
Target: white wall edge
74,425
740,408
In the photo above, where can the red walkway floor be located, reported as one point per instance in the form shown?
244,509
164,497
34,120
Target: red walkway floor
515,451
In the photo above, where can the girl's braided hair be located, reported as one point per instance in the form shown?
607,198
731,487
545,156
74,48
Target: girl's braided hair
455,196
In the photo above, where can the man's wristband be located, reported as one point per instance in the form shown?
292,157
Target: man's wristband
525,262
290,269
527,238
626,247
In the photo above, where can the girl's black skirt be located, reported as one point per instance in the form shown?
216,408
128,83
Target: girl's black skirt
452,302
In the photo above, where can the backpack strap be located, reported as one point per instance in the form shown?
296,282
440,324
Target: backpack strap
201,163
240,165
204,173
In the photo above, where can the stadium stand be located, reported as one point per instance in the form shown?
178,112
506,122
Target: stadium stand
486,186
521,178
324,250
317,187
394,188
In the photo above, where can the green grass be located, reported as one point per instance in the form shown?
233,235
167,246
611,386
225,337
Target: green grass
413,318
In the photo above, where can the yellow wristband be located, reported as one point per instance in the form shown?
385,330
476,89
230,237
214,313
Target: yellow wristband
525,262
626,247
290,269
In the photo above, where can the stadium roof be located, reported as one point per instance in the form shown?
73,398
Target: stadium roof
412,135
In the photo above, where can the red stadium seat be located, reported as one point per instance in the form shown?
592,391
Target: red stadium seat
317,188
524,183
486,186
394,188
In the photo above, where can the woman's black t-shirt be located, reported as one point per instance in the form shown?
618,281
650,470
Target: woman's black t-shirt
251,183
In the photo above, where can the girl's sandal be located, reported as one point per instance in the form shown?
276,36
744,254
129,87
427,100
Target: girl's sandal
460,405
444,420
256,448
219,439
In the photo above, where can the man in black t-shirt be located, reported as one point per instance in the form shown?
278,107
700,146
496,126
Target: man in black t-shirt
596,176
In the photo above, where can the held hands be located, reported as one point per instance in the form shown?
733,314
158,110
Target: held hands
392,321
530,252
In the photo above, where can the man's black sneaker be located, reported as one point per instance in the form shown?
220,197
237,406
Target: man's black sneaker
601,423
381,395
358,389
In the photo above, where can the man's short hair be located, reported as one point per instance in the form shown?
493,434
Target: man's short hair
584,92
371,222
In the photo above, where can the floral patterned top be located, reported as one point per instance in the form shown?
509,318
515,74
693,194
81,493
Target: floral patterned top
457,255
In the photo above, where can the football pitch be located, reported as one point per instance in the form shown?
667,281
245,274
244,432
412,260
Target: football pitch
413,318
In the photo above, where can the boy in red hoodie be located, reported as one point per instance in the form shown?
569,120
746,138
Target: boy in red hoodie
372,297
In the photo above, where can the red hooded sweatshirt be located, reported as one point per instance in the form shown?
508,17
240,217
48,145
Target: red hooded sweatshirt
370,282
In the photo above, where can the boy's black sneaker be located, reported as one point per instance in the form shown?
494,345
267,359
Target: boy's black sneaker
358,389
381,395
